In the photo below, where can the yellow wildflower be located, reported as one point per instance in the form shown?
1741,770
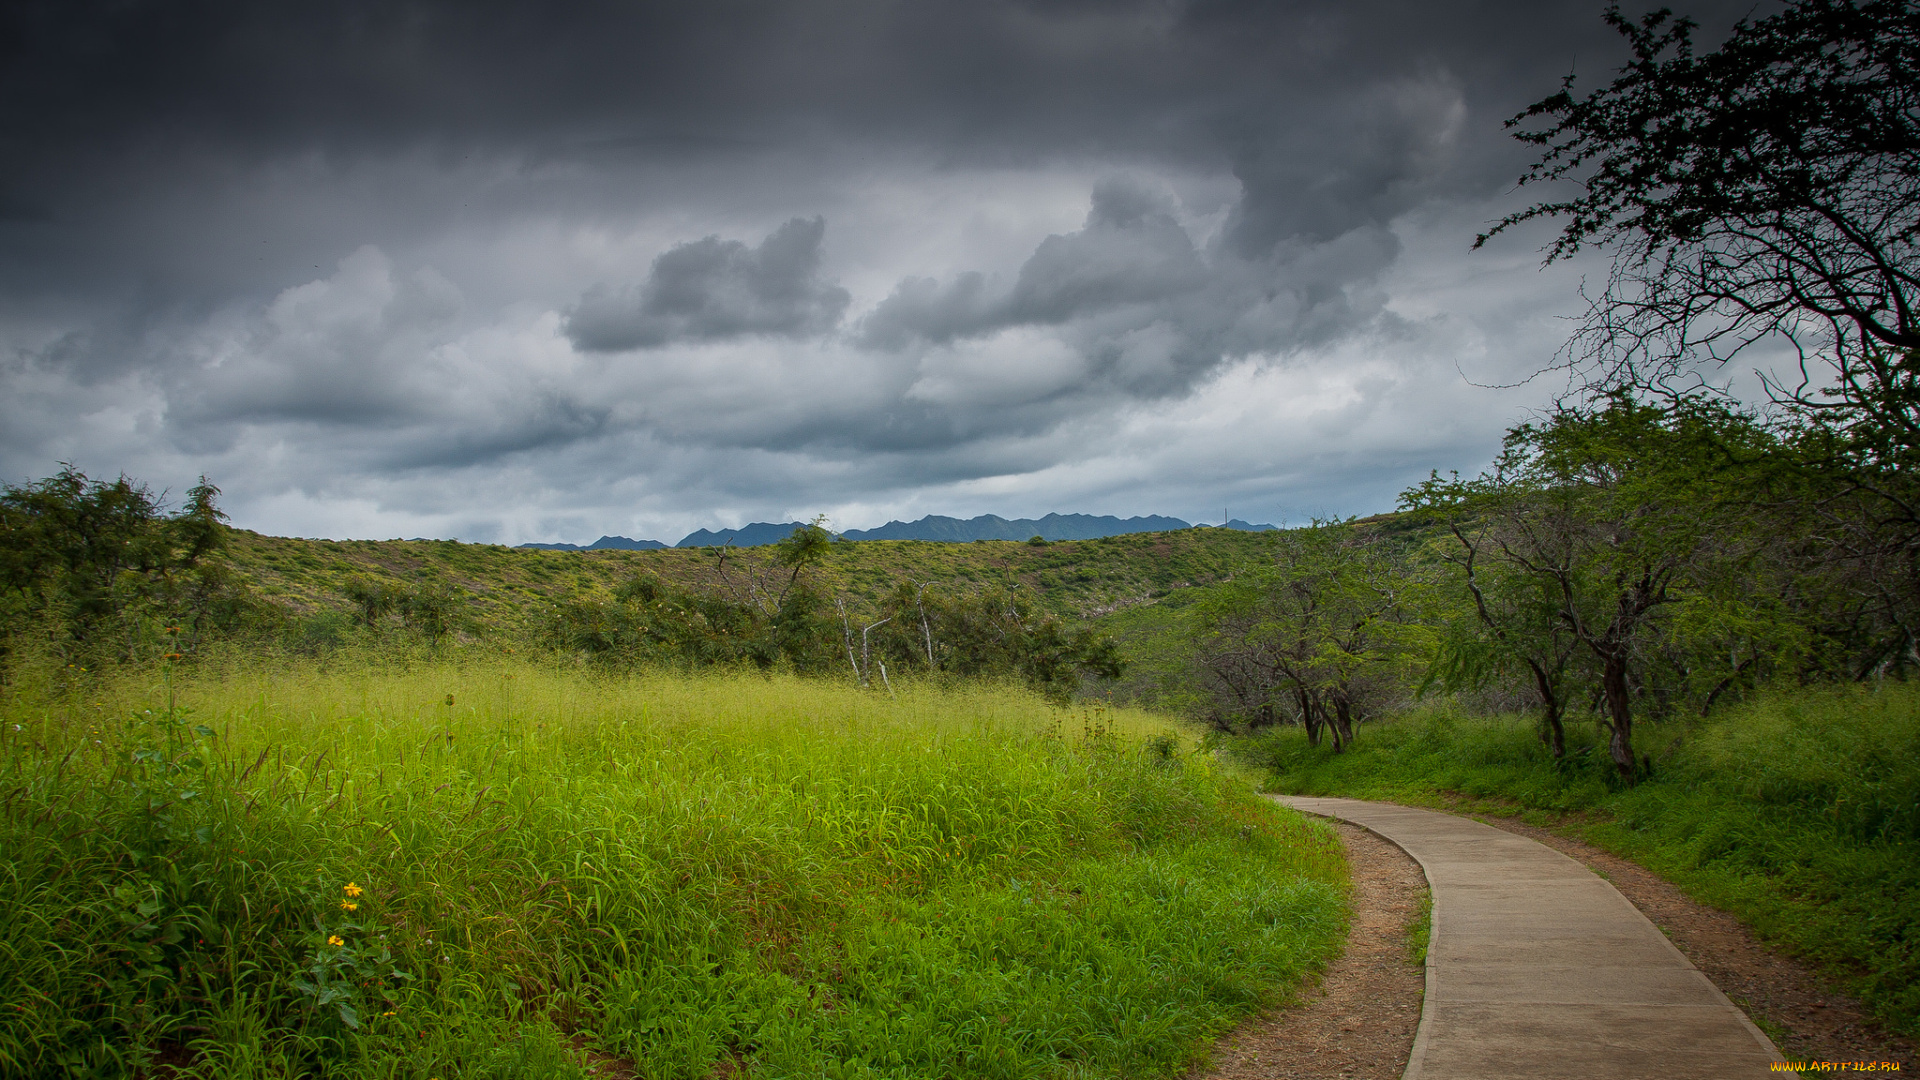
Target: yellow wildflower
351,889
348,905
335,939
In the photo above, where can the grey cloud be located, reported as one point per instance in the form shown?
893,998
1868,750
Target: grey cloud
547,421
1149,311
714,289
920,308
1130,251
345,349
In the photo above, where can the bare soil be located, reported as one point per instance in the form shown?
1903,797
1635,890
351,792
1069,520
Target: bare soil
1358,1022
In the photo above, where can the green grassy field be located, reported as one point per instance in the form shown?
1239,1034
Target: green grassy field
1798,812
495,868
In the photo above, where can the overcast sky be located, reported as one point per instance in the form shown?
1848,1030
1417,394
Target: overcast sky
543,271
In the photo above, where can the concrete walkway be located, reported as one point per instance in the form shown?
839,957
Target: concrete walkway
1540,969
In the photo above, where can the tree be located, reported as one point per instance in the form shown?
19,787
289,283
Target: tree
809,545
106,564
1515,625
1767,191
1770,188
751,583
1625,528
1317,633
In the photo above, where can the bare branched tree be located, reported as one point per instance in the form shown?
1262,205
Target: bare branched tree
1768,191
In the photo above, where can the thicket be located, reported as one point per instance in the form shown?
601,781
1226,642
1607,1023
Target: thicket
101,571
772,611
509,869
505,592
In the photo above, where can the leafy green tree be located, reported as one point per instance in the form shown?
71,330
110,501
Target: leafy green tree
1625,528
807,546
105,565
1514,627
1857,461
1321,632
1767,191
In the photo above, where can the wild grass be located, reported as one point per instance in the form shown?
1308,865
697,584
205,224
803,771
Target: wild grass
504,869
1420,930
1799,812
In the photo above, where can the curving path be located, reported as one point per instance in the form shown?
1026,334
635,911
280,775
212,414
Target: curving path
1538,968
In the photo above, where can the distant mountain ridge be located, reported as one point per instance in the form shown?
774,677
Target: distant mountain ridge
933,527
615,543
995,527
758,534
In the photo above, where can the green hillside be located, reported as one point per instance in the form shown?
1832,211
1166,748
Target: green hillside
506,589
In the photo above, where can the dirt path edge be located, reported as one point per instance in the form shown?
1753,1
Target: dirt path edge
1359,1021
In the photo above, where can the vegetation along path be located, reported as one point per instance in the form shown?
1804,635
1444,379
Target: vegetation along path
1539,968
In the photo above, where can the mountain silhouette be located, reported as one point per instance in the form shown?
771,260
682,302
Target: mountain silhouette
605,543
994,527
934,527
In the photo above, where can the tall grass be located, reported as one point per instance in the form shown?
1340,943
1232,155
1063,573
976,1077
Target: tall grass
502,869
1798,812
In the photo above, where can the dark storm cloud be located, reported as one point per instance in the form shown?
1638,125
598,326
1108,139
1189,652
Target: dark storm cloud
982,79
1352,163
714,289
362,243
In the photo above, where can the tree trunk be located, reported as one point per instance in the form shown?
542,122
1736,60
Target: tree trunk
1342,722
1551,732
1613,685
1309,717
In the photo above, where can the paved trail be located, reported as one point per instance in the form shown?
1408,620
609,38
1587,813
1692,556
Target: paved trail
1540,969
